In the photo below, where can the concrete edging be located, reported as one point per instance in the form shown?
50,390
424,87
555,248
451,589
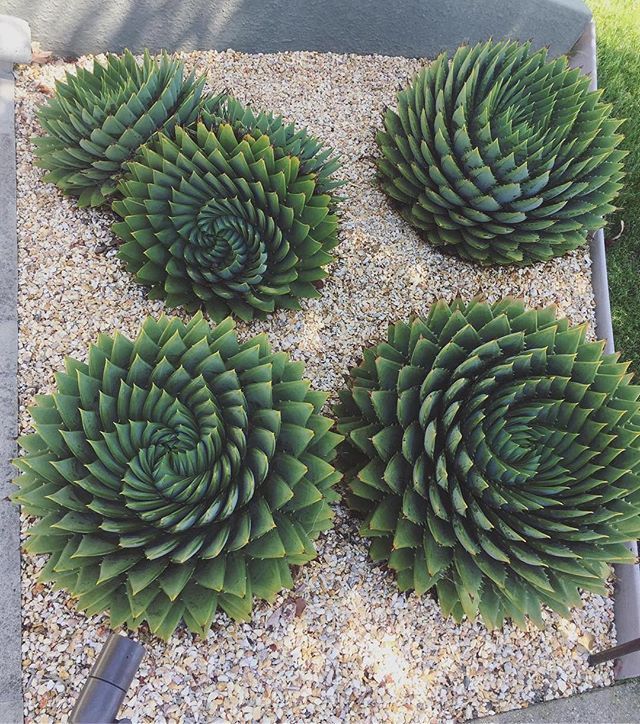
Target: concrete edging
406,27
15,40
15,47
627,590
603,705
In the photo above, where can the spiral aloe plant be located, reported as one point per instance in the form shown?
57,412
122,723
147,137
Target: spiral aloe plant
500,155
229,218
177,473
496,458
99,118
314,158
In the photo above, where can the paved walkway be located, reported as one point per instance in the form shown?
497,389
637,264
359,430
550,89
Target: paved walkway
619,704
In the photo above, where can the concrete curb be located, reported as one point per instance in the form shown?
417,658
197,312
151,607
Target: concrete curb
10,620
599,706
627,592
15,46
15,40
407,27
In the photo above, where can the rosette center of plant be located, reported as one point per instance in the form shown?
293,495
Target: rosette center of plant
229,248
184,470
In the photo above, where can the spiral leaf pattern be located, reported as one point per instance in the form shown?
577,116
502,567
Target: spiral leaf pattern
500,155
225,220
315,159
177,473
99,118
496,458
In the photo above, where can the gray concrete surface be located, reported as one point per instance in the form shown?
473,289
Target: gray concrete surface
619,704
10,641
10,620
15,40
403,27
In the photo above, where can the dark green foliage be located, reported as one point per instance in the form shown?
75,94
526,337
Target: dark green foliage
496,458
99,118
315,159
234,215
500,155
177,473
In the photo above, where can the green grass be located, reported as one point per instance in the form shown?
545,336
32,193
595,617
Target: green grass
618,37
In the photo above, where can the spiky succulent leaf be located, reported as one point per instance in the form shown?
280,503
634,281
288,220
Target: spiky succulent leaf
231,221
315,159
99,118
178,473
501,155
495,457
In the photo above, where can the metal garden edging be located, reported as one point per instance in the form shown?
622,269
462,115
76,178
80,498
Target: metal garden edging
627,589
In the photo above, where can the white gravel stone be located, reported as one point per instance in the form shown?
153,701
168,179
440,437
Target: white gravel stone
359,651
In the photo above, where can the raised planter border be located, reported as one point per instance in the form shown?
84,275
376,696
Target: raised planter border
15,47
627,586
416,28
627,591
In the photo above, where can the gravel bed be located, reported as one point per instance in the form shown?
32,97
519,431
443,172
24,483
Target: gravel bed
344,646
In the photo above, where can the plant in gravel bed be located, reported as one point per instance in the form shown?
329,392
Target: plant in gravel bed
99,118
235,215
495,456
501,155
314,158
177,473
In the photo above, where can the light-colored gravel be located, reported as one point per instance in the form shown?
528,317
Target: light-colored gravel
358,651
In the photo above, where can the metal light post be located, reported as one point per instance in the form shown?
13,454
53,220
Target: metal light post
108,682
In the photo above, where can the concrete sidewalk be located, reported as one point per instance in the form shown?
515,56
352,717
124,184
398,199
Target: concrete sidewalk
619,704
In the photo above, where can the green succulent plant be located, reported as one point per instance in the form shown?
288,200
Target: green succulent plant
495,457
314,158
500,155
177,473
229,220
99,118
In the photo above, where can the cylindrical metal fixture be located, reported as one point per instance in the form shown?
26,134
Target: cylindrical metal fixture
108,682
